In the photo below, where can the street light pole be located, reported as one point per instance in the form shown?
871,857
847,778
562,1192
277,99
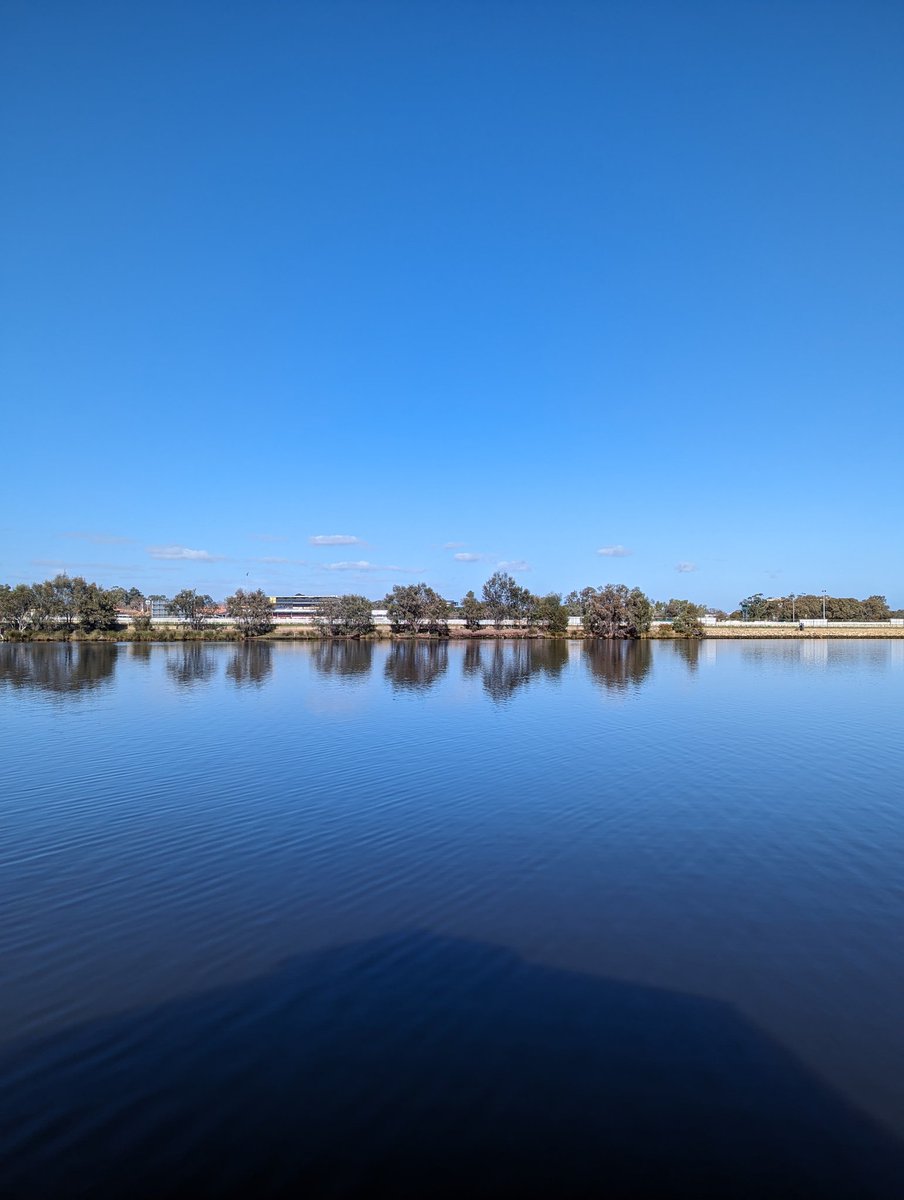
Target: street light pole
823,604
793,598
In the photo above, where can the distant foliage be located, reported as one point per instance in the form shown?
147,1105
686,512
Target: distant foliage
809,607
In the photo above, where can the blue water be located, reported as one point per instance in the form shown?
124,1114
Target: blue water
523,919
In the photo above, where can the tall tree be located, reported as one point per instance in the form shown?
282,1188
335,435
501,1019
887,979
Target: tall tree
614,611
687,618
16,607
193,607
472,611
416,608
252,612
552,613
96,607
500,596
355,615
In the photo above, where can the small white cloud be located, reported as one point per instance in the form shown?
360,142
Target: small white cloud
515,564
185,553
335,539
453,545
685,568
466,557
614,551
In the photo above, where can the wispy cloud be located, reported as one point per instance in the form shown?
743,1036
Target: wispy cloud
453,545
335,539
614,551
466,556
184,553
60,565
273,560
363,565
99,539
515,564
685,568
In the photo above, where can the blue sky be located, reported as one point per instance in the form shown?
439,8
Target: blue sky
330,296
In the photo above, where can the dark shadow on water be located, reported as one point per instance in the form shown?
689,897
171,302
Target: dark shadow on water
417,1066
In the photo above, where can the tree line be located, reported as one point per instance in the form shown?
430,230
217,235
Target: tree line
68,604
809,607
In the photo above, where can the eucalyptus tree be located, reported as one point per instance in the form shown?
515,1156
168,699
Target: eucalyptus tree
552,613
16,607
355,614
615,611
501,597
193,607
252,612
472,611
95,607
416,608
686,618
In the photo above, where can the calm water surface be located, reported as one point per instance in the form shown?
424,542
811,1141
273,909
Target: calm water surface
527,919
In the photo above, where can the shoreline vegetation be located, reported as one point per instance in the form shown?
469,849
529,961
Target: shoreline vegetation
306,633
71,609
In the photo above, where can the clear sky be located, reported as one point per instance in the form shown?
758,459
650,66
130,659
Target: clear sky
330,296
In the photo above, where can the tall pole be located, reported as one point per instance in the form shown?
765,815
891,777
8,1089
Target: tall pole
793,598
823,604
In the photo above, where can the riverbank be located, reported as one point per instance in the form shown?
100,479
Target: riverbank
171,634
728,632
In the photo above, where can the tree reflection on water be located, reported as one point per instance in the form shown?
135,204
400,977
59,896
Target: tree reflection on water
506,667
251,664
344,656
58,668
416,665
192,663
618,665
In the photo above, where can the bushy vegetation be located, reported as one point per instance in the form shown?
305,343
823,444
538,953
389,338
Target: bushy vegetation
809,607
70,607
